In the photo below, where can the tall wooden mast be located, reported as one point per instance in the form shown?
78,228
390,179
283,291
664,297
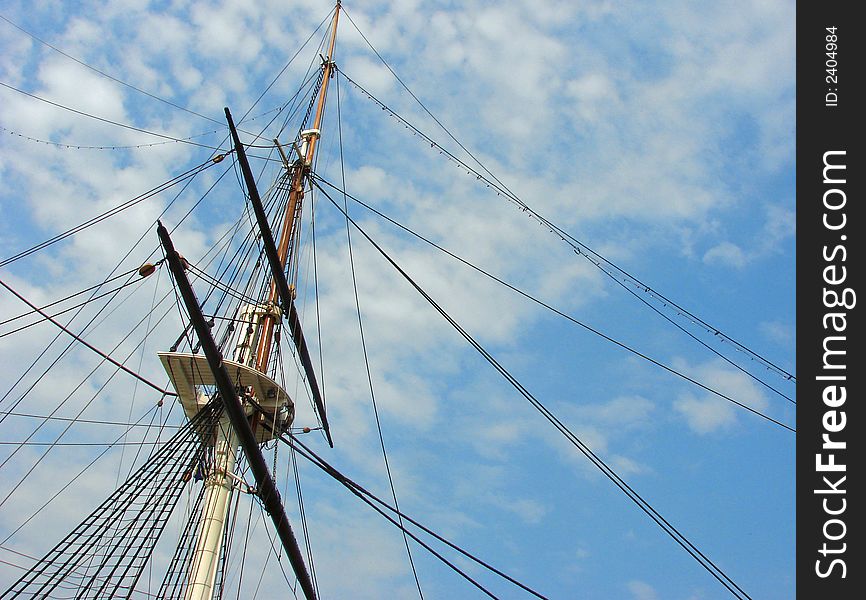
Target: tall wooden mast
296,197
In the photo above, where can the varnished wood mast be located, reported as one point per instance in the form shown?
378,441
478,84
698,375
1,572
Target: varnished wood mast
296,197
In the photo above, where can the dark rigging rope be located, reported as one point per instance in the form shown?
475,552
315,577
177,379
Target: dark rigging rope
108,121
87,345
672,531
364,349
106,75
187,175
366,496
551,308
580,247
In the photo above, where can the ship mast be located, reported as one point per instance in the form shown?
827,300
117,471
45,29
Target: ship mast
252,351
296,197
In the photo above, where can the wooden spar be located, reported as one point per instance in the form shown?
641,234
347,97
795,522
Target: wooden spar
267,489
296,196
279,278
326,75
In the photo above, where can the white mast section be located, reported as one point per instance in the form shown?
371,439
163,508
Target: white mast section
189,373
211,527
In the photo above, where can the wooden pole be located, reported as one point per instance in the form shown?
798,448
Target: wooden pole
296,196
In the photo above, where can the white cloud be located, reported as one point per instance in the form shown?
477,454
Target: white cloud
780,333
593,93
706,415
623,412
641,590
778,228
709,413
727,254
371,73
626,466
529,511
609,429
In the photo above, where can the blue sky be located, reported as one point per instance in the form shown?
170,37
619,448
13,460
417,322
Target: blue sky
661,135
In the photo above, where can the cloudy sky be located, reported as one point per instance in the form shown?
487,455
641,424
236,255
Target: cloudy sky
659,134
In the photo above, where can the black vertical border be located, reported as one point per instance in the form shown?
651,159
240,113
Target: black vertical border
822,128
